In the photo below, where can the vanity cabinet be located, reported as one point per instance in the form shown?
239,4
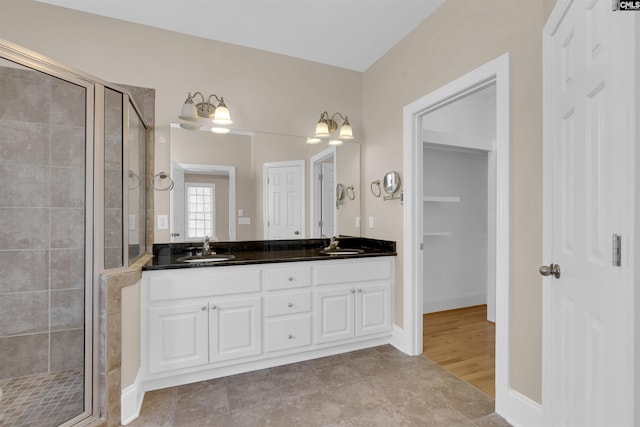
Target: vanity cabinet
202,323
180,337
353,302
207,331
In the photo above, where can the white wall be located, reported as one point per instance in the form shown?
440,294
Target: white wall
455,265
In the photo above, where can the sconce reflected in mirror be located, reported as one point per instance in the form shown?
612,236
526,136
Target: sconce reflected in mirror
219,114
327,125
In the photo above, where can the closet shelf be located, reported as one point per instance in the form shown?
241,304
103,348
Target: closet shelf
449,199
438,233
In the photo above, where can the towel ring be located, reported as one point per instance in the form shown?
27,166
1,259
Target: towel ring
134,180
351,193
376,185
162,175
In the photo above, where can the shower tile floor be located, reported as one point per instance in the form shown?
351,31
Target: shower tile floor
43,400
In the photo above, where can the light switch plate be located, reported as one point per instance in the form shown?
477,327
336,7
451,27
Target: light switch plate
163,222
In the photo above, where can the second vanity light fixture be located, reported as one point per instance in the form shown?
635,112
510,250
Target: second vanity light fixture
219,114
327,125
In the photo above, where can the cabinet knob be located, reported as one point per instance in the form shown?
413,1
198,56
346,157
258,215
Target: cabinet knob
290,305
353,291
290,278
203,308
359,290
213,307
290,336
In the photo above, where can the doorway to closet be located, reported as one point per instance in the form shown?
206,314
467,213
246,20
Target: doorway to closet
458,185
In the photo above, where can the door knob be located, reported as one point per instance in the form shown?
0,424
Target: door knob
550,270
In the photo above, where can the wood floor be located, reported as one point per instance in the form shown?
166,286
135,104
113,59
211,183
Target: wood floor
463,342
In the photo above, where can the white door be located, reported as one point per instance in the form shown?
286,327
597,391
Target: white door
177,204
335,309
588,60
180,339
234,326
284,200
373,311
328,199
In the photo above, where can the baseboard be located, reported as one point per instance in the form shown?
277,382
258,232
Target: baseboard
131,400
433,305
400,340
519,410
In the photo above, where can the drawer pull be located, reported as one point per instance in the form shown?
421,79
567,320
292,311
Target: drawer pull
290,336
290,305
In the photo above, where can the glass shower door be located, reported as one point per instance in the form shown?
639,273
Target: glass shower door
44,267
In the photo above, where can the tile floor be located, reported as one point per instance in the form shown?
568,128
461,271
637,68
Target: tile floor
374,387
42,400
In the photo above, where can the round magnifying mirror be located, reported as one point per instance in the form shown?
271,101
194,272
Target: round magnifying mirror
391,182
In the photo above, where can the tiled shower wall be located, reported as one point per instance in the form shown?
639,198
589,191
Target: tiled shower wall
42,176
113,146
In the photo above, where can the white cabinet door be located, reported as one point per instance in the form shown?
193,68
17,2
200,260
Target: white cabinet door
234,327
373,314
179,337
335,314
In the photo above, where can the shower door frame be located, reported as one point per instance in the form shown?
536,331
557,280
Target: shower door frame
94,397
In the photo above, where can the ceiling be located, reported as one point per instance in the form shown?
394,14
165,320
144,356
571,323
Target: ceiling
351,34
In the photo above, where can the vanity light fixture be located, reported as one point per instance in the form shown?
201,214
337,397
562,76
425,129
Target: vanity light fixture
327,125
218,114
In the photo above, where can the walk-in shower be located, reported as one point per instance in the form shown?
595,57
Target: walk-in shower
65,141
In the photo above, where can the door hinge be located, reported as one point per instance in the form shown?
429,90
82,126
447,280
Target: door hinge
320,224
616,244
421,246
320,177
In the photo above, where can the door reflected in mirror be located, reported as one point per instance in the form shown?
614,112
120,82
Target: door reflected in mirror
259,186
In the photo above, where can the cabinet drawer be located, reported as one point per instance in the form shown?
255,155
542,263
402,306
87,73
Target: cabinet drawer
287,278
289,332
202,284
362,271
288,303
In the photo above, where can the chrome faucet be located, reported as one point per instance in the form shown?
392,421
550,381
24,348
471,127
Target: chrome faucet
333,244
206,249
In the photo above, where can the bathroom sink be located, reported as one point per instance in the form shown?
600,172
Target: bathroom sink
205,258
339,251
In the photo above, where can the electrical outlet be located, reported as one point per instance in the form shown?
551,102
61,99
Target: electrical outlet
357,222
370,222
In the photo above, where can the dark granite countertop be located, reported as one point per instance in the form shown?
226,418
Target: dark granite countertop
265,251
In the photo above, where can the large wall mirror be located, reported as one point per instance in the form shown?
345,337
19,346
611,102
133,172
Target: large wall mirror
259,186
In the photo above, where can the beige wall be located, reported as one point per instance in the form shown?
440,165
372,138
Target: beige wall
265,92
459,37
